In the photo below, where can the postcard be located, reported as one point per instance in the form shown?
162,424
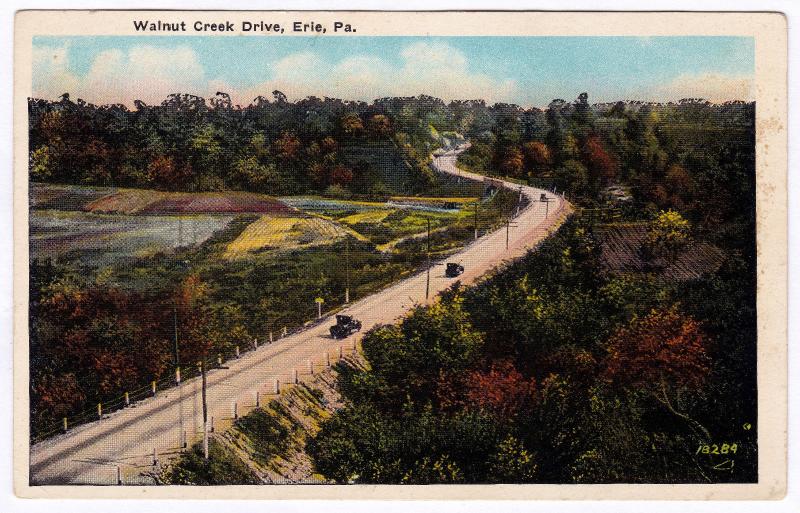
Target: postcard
431,255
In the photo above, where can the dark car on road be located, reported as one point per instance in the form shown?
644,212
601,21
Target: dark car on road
453,269
345,326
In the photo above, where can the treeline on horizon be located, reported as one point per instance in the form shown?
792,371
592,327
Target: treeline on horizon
189,143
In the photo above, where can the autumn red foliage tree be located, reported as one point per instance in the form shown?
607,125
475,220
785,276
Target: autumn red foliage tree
288,146
115,337
511,163
165,173
602,165
340,175
662,354
537,156
502,390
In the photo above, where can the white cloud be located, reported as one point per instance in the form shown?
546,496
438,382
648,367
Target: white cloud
145,73
714,87
435,69
151,73
50,75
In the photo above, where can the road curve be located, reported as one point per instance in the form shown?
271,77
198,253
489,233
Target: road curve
92,453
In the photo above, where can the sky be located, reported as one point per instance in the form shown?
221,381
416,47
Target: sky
529,71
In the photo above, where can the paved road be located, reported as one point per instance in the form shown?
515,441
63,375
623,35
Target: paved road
92,453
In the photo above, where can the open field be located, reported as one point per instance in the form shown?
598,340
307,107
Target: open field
104,238
111,200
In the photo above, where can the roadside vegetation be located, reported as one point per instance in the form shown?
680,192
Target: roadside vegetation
552,371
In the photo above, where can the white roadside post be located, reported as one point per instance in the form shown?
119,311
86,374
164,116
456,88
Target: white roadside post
319,302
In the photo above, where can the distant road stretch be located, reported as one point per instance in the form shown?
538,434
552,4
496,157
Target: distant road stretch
125,440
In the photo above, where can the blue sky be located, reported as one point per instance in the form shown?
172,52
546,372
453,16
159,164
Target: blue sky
524,70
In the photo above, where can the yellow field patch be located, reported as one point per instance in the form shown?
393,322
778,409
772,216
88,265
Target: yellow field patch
281,232
371,216
285,232
418,199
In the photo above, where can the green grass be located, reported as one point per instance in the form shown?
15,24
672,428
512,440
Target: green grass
223,467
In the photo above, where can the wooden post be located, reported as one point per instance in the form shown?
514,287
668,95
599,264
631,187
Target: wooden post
99,410
476,220
310,366
327,359
235,410
177,375
237,351
119,476
205,409
270,337
65,424
294,376
258,400
285,331
428,252
277,388
341,352
127,399
211,425
155,457
153,387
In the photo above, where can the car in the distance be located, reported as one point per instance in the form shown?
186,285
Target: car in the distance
453,269
345,326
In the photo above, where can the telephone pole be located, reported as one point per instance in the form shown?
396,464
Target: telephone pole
205,409
428,280
347,270
476,220
175,325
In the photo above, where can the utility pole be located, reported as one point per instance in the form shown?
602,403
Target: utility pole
347,270
205,409
175,325
428,280
476,220
178,374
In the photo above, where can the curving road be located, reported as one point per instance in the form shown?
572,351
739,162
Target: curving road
124,441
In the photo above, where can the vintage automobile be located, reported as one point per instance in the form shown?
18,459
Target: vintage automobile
345,326
453,269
